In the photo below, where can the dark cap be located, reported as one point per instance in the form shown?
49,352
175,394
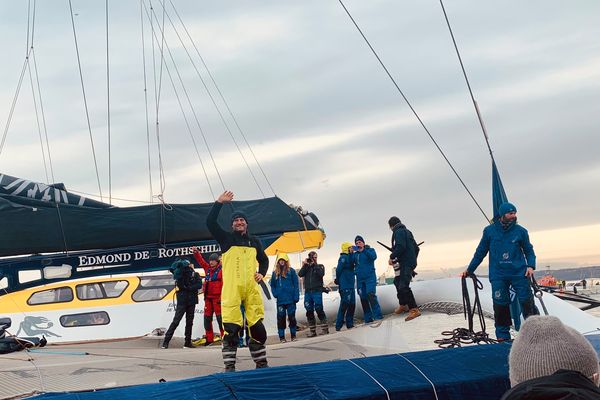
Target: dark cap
238,214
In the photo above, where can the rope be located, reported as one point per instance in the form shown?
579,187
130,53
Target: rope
462,66
108,109
459,336
189,129
214,103
190,105
87,113
223,99
387,394
37,119
14,103
37,78
537,292
414,112
146,97
62,230
157,94
422,373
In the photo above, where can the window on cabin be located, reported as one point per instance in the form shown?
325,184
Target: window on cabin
153,288
29,275
85,319
101,290
58,295
4,283
55,272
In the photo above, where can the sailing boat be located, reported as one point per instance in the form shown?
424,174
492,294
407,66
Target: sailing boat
52,236
344,371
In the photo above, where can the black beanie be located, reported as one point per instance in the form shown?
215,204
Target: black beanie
238,214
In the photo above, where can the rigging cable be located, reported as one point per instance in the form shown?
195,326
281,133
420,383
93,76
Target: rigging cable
414,111
14,103
146,97
192,108
189,129
485,135
87,114
37,118
224,100
37,78
215,104
108,109
157,94
31,13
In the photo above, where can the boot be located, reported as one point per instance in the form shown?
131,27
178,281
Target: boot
188,344
401,309
229,352
324,328
412,314
165,345
258,351
312,325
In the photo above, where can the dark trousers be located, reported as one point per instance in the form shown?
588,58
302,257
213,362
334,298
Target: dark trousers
404,292
282,311
501,299
346,310
188,310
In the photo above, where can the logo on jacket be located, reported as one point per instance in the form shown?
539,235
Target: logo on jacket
505,256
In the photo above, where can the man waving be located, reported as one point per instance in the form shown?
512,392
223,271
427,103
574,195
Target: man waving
241,255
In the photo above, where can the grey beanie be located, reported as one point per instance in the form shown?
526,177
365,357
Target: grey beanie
544,345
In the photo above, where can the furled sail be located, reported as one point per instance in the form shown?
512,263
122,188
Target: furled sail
36,219
498,193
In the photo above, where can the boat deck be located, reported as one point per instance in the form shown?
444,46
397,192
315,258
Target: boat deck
137,361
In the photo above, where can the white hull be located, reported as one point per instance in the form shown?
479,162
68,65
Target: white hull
139,319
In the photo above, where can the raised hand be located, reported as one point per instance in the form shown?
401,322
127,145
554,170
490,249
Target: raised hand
225,197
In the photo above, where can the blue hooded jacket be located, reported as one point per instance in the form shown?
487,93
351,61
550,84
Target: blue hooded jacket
364,263
344,272
510,251
285,290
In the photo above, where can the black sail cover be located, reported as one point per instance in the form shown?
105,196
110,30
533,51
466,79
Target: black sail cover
38,218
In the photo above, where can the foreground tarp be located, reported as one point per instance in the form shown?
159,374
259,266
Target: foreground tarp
477,372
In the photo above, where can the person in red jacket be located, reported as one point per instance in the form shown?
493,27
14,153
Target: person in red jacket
213,284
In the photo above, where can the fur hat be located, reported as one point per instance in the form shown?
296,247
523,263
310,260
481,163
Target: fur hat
505,208
544,345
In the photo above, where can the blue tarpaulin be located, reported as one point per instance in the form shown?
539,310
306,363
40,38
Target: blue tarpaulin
476,372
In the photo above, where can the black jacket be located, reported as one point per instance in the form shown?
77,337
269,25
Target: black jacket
403,247
563,385
228,239
187,287
313,277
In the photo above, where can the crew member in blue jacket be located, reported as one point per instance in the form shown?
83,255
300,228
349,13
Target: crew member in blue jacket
366,279
511,263
284,286
346,281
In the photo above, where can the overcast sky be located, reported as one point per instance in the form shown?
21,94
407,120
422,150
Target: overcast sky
328,127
